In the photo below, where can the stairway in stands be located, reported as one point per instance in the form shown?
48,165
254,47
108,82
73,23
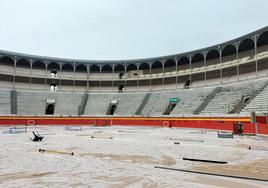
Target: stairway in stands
143,103
82,106
259,103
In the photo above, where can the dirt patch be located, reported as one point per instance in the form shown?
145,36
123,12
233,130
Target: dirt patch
130,158
222,182
257,169
166,160
23,175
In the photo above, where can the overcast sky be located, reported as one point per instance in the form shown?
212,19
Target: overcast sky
124,29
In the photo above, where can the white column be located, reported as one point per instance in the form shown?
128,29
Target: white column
256,53
205,65
31,68
220,52
14,75
176,61
237,59
74,65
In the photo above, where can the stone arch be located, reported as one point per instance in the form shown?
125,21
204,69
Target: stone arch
81,68
67,67
6,60
23,63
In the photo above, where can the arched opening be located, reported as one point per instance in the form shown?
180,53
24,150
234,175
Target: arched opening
263,39
157,67
38,65
112,108
81,68
132,72
53,66
228,53
197,60
107,69
262,44
212,59
246,49
197,64
183,65
94,69
50,109
246,45
7,61
169,65
144,69
120,70
23,63
131,67
67,67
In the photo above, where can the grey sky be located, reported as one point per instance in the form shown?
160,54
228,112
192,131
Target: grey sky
124,29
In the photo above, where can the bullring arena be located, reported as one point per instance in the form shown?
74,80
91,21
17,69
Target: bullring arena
197,119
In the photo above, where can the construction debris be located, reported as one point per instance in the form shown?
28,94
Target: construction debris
56,152
37,137
204,160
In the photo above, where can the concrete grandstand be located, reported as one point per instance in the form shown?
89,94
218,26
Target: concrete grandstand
227,80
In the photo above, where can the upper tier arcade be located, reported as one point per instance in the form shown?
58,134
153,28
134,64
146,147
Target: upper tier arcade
239,59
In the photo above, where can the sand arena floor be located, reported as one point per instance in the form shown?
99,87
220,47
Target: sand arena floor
125,157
